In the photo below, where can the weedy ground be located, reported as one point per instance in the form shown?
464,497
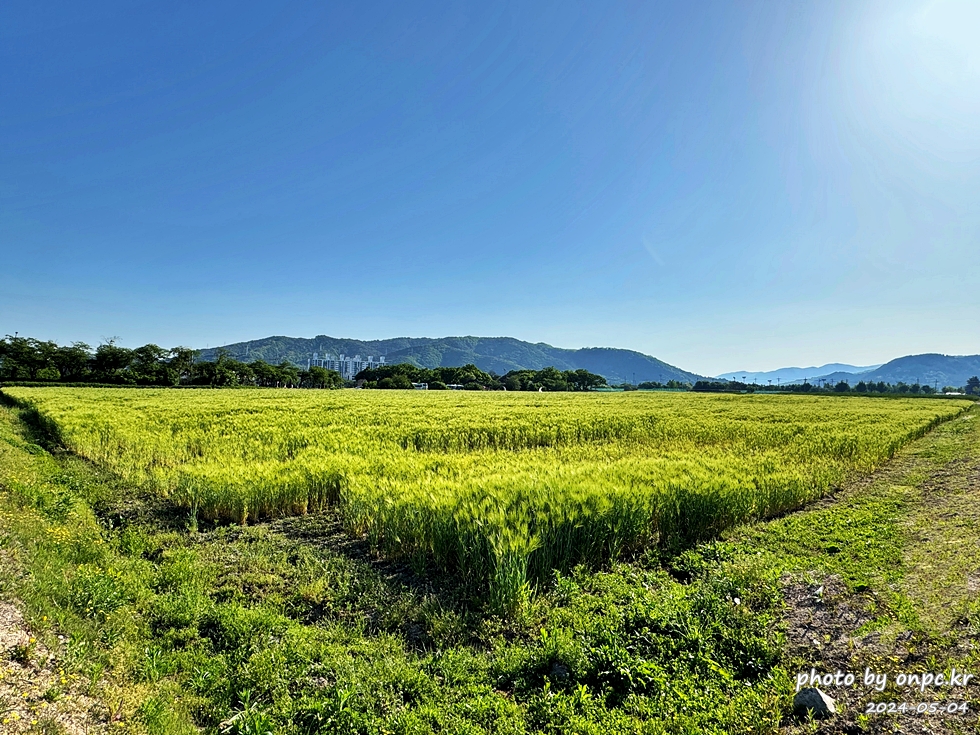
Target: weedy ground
293,627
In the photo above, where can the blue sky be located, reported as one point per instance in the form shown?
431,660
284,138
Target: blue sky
725,186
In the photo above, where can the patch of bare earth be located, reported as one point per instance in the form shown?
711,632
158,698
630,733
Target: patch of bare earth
823,623
824,619
35,697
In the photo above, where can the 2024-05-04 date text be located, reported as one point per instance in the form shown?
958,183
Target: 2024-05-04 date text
921,708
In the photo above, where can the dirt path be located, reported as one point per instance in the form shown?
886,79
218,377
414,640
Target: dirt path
927,621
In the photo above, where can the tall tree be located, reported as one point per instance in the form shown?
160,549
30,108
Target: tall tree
73,361
110,361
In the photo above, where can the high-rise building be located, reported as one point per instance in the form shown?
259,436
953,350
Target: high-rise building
346,365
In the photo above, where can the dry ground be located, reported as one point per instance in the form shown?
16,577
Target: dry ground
35,697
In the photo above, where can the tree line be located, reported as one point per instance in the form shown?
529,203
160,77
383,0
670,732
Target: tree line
470,377
972,387
655,385
32,360
24,359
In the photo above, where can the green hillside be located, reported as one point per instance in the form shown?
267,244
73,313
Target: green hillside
492,354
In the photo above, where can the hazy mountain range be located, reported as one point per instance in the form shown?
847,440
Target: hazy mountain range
497,354
929,369
793,374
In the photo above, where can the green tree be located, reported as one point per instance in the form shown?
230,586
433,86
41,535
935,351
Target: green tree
149,366
512,381
266,375
181,364
318,377
110,362
973,386
48,373
73,361
399,381
288,374
583,380
21,358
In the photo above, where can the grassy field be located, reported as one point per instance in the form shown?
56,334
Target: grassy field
504,488
293,626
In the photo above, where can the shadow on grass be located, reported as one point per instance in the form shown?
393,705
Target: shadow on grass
324,533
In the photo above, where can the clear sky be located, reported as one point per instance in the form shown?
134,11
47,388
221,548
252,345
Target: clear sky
725,186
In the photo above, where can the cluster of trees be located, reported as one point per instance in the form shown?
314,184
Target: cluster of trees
552,379
27,359
402,375
654,385
972,387
720,386
470,377
226,371
865,387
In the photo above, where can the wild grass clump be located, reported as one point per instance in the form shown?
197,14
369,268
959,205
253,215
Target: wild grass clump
501,488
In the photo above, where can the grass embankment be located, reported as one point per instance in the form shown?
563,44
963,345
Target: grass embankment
283,627
886,576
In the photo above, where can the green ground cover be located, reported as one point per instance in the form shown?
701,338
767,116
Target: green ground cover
289,626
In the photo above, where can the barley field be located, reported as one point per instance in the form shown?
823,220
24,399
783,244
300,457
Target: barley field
502,487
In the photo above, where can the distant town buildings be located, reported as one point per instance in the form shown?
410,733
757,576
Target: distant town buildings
346,365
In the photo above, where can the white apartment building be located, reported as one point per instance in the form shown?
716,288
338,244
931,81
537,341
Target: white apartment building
346,365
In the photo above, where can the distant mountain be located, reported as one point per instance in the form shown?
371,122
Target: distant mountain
929,369
497,354
794,374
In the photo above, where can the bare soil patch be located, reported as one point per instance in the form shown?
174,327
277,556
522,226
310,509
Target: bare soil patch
35,697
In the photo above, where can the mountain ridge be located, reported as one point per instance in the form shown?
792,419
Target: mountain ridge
930,368
496,354
790,374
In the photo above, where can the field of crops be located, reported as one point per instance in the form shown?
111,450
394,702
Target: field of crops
502,486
